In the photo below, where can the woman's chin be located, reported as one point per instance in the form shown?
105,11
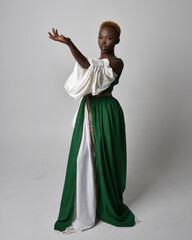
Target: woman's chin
104,50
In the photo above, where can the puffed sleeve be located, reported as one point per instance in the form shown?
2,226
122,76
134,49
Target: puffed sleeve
94,79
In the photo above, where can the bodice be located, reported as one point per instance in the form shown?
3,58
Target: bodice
115,82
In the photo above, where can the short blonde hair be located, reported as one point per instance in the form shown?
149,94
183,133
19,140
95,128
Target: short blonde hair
113,25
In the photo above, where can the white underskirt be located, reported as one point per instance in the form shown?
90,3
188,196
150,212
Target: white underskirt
84,215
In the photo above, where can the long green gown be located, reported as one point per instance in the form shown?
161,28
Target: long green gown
111,163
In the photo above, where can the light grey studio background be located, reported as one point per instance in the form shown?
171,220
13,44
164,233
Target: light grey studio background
36,113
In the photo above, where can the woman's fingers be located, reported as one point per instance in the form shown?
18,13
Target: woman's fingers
56,36
54,32
50,34
53,36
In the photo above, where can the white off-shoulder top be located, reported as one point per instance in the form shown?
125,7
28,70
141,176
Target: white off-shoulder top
94,79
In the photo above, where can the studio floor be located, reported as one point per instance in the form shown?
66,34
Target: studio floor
31,192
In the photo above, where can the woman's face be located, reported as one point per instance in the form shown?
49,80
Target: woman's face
107,39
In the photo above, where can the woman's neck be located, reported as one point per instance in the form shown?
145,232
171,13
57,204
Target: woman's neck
107,55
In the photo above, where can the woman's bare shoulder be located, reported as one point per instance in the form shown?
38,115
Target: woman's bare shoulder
117,65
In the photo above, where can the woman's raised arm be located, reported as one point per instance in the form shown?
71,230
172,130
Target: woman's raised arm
80,58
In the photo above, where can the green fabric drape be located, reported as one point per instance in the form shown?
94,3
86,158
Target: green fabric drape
111,163
68,196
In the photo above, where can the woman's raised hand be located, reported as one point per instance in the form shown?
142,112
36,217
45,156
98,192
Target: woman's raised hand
80,58
59,38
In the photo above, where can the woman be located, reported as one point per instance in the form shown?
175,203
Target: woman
96,171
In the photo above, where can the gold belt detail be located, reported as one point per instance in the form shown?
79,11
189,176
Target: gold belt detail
105,94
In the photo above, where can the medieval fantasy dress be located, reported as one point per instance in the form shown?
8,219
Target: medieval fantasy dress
96,171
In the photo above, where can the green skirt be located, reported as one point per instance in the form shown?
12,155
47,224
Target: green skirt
111,164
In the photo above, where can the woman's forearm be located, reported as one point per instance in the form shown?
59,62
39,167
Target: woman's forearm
80,58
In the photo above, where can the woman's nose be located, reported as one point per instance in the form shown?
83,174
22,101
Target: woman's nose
103,41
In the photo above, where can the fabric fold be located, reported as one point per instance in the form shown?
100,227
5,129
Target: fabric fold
94,79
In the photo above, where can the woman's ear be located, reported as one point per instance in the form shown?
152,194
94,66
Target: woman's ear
118,40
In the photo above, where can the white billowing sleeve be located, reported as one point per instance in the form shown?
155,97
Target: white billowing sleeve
94,79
